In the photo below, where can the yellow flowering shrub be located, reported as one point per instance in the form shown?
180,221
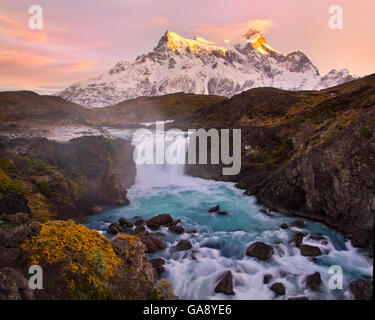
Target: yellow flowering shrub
132,245
87,256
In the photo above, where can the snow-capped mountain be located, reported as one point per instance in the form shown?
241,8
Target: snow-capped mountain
177,64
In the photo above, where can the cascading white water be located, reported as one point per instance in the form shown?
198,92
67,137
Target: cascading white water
173,147
221,241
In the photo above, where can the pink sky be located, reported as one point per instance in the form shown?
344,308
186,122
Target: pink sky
83,38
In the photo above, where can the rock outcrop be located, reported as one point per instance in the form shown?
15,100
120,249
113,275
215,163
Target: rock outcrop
67,180
306,154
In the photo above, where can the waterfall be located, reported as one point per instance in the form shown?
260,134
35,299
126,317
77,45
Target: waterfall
173,146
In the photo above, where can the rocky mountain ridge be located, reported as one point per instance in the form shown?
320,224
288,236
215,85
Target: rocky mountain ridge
198,66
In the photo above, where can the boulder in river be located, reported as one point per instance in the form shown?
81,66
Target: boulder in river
214,209
267,278
153,244
125,223
260,250
298,224
176,229
160,220
313,281
114,228
284,226
225,285
278,288
309,251
139,222
184,245
138,231
361,289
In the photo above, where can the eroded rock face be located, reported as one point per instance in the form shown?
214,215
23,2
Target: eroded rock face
333,184
158,264
260,250
14,286
68,180
225,284
153,244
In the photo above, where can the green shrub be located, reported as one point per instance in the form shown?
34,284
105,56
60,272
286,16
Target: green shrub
6,164
8,184
365,132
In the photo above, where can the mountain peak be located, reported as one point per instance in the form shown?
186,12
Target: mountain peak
257,40
177,43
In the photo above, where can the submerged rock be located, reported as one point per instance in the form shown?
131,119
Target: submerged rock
184,245
214,209
361,289
313,280
222,213
225,285
309,251
278,288
160,220
260,250
316,236
284,226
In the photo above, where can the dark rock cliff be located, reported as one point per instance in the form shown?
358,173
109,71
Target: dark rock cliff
65,179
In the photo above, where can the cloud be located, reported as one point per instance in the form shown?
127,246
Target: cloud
224,32
79,65
23,59
12,28
158,22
